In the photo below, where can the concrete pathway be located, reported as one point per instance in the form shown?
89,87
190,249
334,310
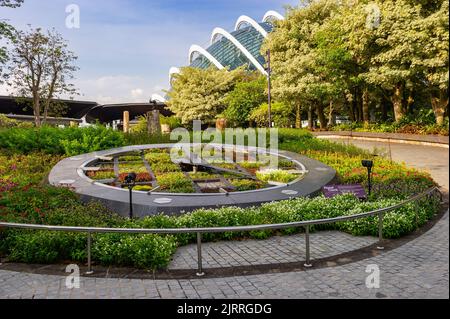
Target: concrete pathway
419,269
284,249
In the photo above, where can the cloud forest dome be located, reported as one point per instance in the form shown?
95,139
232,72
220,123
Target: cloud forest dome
234,49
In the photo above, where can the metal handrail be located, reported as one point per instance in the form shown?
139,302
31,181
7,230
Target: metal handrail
199,231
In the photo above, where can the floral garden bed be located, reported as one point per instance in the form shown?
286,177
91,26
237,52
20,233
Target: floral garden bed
26,198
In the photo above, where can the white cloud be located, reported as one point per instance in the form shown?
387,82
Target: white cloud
137,93
115,89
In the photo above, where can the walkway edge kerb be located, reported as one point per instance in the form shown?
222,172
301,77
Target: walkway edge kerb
438,140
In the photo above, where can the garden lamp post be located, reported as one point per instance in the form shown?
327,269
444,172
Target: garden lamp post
269,89
369,165
130,181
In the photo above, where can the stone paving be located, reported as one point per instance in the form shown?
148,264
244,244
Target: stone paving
271,251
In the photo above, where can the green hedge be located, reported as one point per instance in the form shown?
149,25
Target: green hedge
155,251
68,141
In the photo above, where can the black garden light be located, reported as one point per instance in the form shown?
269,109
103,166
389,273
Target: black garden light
130,181
369,165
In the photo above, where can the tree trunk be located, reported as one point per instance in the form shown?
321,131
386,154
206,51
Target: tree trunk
298,116
331,115
409,103
321,115
365,106
397,101
440,104
351,113
37,109
360,107
310,118
49,97
355,107
153,122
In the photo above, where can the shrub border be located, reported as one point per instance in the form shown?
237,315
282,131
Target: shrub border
333,261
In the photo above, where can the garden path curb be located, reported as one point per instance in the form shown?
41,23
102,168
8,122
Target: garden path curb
413,139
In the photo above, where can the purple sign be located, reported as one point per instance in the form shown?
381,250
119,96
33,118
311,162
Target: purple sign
334,190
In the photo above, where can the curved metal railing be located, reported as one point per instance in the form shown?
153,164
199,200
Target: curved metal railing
199,231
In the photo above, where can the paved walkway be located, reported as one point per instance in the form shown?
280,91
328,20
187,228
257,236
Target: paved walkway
285,249
418,269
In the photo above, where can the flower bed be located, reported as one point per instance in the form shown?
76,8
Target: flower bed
24,198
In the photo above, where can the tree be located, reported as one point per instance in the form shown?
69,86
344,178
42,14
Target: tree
357,55
6,30
345,45
198,94
41,68
282,115
245,97
397,45
297,77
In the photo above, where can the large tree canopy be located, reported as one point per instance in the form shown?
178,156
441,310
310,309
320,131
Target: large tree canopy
198,94
359,55
245,97
41,68
6,30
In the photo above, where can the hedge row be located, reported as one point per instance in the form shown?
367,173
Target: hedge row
155,251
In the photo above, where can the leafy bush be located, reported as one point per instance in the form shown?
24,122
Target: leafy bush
68,141
173,121
202,175
6,122
281,115
101,175
175,183
276,176
131,157
142,251
246,184
91,139
132,168
45,247
158,157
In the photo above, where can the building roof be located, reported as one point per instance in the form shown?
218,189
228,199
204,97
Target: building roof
91,110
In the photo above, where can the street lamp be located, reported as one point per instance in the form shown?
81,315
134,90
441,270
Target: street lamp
130,181
369,165
269,83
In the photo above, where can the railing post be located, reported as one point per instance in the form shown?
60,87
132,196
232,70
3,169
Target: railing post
200,272
89,244
308,252
380,231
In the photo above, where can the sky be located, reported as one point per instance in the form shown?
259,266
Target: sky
125,48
